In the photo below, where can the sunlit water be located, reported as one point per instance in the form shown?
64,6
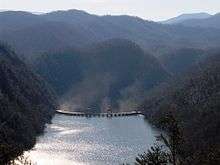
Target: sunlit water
93,141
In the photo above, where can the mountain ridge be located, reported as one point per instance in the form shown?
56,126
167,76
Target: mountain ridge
151,36
184,17
210,22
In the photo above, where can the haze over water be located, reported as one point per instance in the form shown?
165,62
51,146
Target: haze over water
93,141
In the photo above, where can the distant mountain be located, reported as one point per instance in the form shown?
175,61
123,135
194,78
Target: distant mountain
32,34
47,37
193,98
202,20
112,71
14,20
71,16
210,22
26,104
185,17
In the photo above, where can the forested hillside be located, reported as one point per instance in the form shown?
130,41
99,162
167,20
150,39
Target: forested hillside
180,60
194,100
110,72
32,34
26,105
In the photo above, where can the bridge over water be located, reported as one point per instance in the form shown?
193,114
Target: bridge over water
112,114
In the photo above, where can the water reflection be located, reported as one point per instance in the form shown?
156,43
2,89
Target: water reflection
94,141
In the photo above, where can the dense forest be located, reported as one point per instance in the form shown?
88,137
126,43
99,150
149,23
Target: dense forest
194,100
26,104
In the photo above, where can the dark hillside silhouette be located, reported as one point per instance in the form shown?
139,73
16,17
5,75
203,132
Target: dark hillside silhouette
194,100
26,104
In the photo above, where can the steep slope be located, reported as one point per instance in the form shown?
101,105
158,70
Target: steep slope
179,61
194,100
26,104
77,28
210,22
61,69
185,17
106,73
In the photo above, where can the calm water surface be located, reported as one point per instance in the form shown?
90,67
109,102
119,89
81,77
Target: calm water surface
93,141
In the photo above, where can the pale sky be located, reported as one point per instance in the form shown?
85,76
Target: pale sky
147,9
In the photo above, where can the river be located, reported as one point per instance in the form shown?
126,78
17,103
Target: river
93,141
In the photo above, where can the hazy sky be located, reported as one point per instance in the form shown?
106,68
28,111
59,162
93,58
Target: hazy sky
148,9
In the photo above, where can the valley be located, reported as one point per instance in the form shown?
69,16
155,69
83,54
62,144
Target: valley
80,88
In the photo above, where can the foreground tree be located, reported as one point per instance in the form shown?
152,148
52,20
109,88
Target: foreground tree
154,156
174,139
159,155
